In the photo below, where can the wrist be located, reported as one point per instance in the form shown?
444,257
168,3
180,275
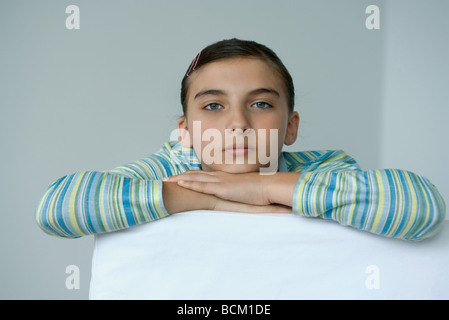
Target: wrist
179,199
269,186
279,187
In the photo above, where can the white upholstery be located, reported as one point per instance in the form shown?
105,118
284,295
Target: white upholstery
222,255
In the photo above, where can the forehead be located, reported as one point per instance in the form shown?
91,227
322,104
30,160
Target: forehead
236,75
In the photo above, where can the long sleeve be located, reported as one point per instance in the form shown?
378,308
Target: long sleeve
392,203
91,202
94,202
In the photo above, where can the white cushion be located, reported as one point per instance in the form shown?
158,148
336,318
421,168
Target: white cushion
223,255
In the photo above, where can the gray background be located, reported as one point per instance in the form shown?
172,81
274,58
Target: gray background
108,94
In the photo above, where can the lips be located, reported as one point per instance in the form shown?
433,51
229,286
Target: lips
238,149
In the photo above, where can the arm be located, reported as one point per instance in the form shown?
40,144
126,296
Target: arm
178,199
94,202
91,202
391,203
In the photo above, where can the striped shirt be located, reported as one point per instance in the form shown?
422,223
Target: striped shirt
392,203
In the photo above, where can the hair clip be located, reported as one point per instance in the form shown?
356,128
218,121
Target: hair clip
193,64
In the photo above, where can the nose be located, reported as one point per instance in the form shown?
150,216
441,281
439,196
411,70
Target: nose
238,122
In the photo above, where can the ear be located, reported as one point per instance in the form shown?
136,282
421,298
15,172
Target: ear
292,128
183,131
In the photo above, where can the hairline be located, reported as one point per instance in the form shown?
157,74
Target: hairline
262,57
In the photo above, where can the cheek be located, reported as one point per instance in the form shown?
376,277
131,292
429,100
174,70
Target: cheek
207,128
277,123
204,132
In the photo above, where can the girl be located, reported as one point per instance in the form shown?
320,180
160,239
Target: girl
238,103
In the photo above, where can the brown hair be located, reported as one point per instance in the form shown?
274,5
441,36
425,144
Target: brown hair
233,48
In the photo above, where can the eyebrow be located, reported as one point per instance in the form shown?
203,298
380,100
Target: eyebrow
210,92
216,92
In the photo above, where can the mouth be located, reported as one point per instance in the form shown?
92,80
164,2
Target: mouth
238,150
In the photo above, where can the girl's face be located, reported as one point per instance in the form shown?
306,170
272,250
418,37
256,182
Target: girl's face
237,116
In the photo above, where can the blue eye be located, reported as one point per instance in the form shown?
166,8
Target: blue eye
213,106
261,105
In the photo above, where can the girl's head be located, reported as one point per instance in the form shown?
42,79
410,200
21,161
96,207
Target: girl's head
238,101
235,48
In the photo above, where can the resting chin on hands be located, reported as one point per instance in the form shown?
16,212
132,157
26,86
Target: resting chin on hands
242,192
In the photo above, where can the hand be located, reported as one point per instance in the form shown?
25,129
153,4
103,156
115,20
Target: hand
179,199
226,205
249,188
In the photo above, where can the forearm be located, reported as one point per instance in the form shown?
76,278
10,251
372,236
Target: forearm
95,202
391,203
178,199
280,187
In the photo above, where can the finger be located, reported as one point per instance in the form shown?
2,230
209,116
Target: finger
175,177
179,176
191,176
198,186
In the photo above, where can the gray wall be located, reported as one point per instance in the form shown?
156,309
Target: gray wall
415,99
108,93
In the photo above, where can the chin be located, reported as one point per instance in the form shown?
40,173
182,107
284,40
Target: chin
233,168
